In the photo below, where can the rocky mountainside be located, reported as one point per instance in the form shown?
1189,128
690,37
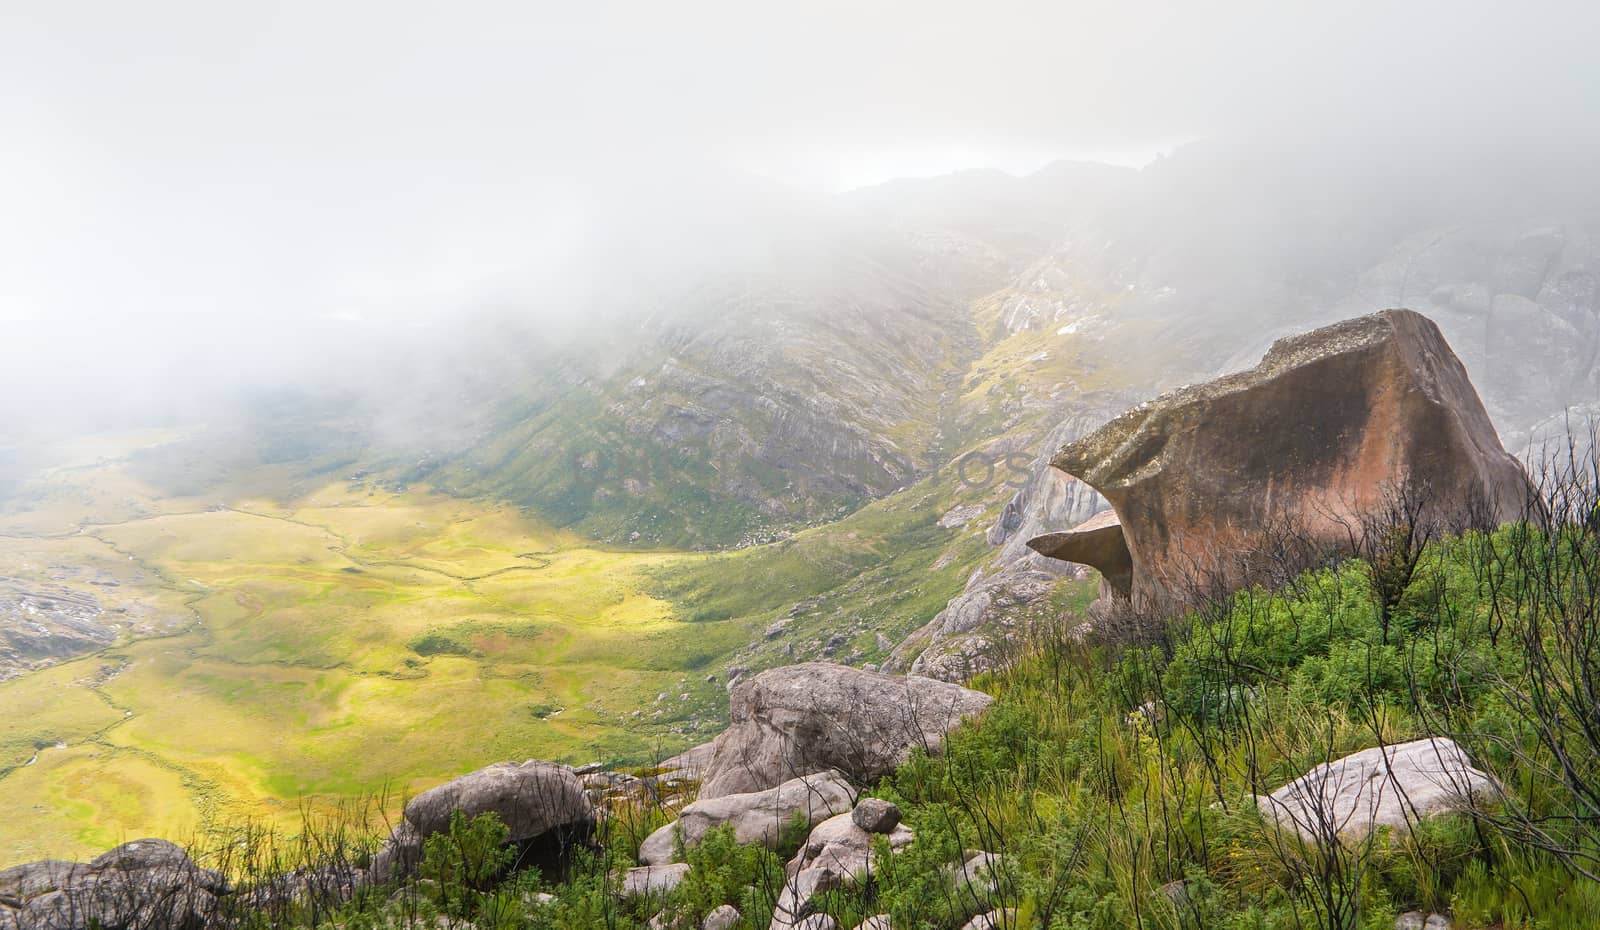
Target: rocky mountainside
814,355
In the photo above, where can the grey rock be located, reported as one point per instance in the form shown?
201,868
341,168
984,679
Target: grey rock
691,763
836,854
978,876
530,799
1393,786
22,882
876,815
145,883
958,517
844,847
993,920
1003,596
725,917
657,848
534,800
818,716
757,816
653,879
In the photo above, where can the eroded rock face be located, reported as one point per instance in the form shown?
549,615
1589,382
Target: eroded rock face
1013,589
146,883
1097,542
1314,439
1386,786
535,800
816,716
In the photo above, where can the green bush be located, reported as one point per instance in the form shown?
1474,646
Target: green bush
463,862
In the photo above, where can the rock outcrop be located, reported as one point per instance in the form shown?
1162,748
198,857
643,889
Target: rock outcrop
1323,433
1386,786
838,853
146,883
1013,589
817,716
1097,542
757,817
541,804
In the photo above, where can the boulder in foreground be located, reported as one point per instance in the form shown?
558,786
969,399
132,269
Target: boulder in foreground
1309,445
817,716
142,884
540,803
1386,786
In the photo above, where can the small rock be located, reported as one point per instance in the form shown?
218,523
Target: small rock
657,847
875,922
958,517
653,879
876,815
725,917
994,920
978,875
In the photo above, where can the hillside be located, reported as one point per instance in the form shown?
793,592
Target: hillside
830,443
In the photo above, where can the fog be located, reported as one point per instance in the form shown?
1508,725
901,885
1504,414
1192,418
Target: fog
201,196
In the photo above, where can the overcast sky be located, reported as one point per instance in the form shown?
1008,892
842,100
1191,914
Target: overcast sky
168,165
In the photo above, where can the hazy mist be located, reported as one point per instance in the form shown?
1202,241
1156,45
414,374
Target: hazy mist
199,196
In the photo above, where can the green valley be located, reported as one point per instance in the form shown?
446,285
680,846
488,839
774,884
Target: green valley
361,639
355,640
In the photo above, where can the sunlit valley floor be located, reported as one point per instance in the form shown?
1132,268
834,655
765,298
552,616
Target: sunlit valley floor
363,638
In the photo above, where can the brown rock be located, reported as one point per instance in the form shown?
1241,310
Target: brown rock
1097,542
1314,439
876,815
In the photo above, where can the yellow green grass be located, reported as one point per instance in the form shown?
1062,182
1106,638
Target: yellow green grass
345,643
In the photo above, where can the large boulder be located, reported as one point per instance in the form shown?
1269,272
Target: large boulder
757,817
542,804
1386,786
145,883
1326,431
815,716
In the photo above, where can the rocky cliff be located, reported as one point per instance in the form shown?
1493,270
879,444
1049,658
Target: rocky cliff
1332,430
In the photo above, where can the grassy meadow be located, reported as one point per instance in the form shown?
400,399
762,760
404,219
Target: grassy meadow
358,639
349,637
